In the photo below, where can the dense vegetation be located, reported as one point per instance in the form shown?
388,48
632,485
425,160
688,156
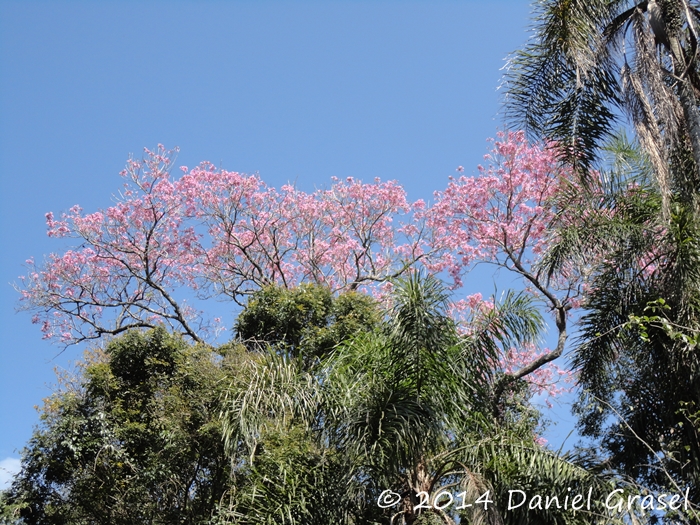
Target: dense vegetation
354,390
317,420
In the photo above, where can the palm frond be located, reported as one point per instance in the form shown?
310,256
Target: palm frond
272,389
563,86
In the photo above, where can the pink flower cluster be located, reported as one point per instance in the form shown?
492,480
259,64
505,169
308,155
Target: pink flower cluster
503,214
223,233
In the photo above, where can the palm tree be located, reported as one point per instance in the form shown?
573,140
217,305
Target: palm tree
637,355
406,408
589,60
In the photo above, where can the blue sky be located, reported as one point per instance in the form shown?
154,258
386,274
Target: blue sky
297,91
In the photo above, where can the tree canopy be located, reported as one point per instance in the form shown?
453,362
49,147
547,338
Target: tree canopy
354,388
134,438
591,60
220,234
404,402
635,236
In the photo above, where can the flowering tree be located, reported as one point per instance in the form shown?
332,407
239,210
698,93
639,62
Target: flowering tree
218,233
132,258
225,234
504,216
343,237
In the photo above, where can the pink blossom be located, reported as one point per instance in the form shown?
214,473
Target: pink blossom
226,234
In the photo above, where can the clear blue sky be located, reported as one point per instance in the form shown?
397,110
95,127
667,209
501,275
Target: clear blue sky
296,91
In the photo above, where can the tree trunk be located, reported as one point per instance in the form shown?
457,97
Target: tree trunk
688,102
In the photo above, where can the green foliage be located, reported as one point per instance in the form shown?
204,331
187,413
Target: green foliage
656,317
637,352
307,321
136,441
557,86
309,427
137,437
270,391
589,61
504,463
406,407
639,338
292,480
